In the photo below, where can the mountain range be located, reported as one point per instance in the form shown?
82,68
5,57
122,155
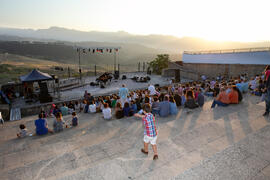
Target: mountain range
162,43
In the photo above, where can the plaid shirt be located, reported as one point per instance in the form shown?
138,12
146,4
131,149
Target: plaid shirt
149,125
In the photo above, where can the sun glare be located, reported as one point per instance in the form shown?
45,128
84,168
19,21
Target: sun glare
230,20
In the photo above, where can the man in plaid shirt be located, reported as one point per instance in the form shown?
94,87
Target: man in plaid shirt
150,131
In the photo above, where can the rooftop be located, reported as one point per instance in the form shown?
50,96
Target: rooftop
260,56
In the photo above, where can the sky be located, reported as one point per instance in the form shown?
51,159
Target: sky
218,20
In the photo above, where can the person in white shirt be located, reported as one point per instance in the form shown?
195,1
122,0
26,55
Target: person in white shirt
107,112
92,107
152,90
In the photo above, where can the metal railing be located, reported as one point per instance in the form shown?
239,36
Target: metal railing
223,51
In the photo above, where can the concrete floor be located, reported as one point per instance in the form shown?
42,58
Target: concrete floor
221,143
114,86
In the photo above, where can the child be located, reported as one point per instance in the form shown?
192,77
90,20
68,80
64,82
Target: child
74,119
150,131
23,131
107,112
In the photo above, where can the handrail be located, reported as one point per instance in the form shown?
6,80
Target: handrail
223,51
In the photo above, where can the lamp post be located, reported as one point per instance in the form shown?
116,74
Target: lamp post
80,70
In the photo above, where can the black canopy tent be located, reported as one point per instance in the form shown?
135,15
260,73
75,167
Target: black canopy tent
37,76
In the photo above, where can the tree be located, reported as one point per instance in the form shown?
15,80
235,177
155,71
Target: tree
161,62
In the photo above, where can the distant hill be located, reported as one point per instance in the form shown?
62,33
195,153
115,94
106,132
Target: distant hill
160,42
66,52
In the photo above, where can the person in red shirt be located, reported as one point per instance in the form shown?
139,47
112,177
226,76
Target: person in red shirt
150,130
233,95
267,88
266,72
222,99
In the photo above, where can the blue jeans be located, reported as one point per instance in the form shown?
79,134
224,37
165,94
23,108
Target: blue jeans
267,101
209,94
219,103
155,111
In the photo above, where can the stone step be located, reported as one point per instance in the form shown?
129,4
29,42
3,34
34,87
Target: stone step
247,159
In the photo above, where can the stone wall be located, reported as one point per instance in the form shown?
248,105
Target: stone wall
189,75
184,74
212,70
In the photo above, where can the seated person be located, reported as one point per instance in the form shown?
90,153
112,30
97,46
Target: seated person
86,107
240,97
113,101
71,108
41,125
233,95
190,102
178,100
173,107
119,113
23,131
74,119
77,107
56,110
133,106
127,110
183,98
106,111
239,85
164,110
64,109
92,107
155,106
200,98
58,123
222,99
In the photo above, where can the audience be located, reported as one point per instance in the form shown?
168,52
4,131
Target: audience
164,101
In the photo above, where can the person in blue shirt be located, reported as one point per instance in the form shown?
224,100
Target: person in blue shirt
173,107
134,106
123,93
164,106
239,86
74,119
64,109
244,86
56,110
42,126
127,110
